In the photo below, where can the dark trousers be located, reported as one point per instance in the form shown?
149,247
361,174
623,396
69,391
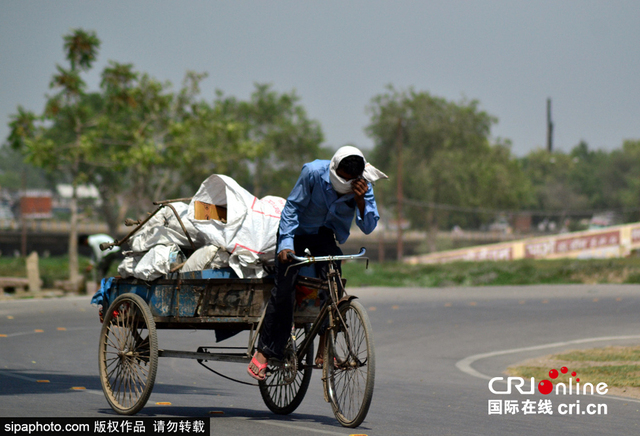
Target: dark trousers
276,327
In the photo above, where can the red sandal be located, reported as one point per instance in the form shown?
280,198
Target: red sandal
260,367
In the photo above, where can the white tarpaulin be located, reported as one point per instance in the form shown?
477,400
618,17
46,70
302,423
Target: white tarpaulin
249,233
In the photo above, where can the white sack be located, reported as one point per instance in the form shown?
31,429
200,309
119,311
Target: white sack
164,229
156,262
200,258
128,265
221,260
207,257
249,234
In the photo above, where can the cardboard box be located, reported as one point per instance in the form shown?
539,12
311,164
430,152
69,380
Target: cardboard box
205,211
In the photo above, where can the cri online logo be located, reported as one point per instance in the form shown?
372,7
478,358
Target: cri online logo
545,387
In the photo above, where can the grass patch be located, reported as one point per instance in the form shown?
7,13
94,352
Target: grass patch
606,354
613,375
51,268
518,272
615,366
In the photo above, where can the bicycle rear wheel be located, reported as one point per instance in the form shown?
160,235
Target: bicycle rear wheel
350,365
286,384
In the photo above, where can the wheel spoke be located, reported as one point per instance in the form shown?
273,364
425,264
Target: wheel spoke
115,368
118,381
120,324
139,382
117,347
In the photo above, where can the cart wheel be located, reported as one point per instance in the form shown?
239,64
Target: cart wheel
128,354
286,384
349,365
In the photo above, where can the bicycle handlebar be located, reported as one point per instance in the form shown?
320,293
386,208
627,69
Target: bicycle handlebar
312,259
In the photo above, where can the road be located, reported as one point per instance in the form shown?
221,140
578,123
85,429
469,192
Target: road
436,350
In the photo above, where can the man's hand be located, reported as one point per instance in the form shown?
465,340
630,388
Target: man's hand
282,256
360,187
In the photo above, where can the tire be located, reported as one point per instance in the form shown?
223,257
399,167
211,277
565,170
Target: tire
350,377
280,396
128,354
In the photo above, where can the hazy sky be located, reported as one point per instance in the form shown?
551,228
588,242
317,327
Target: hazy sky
510,55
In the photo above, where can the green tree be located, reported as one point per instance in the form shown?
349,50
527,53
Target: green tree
447,157
205,138
132,132
114,138
122,137
138,141
551,175
262,143
277,135
13,170
621,179
588,174
57,140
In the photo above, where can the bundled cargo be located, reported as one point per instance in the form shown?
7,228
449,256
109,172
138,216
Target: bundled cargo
222,226
228,216
164,228
152,265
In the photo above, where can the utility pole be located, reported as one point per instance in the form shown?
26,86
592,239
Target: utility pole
549,127
400,195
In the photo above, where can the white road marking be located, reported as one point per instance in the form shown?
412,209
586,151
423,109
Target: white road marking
464,365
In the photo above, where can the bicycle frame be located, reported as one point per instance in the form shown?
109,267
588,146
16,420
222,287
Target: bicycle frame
330,307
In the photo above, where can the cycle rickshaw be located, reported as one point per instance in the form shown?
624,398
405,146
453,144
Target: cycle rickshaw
216,300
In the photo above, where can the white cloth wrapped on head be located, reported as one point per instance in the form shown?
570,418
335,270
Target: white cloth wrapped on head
371,174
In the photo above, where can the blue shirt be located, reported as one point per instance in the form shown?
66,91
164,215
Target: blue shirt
313,203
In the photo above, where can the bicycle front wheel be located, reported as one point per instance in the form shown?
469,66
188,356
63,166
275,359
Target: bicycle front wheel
350,365
128,354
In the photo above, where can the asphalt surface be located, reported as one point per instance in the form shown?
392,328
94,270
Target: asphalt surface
436,351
